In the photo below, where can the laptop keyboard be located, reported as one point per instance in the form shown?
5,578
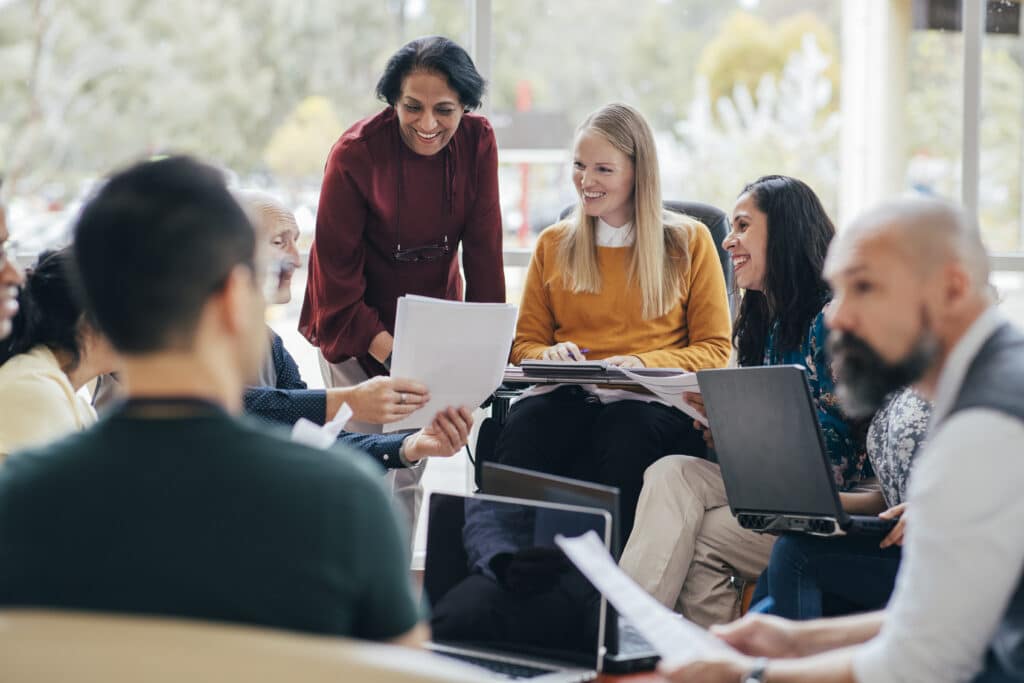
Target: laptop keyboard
630,640
507,669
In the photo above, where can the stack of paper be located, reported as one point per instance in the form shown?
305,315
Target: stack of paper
457,349
670,388
675,638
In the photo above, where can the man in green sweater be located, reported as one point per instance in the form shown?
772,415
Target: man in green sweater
172,505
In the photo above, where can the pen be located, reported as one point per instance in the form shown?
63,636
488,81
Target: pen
582,352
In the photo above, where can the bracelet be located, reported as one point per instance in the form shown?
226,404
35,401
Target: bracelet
757,673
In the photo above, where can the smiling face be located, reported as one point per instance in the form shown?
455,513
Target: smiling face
747,243
429,112
603,176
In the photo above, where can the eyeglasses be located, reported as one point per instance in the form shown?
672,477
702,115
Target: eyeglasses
8,254
428,252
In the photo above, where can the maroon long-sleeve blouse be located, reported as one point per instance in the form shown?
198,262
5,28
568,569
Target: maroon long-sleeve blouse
376,194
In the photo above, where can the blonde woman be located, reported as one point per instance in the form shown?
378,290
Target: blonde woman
624,281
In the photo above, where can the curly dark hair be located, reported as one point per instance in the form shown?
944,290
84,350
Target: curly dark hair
799,233
437,54
50,312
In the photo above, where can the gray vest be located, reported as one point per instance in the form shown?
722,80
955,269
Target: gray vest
995,381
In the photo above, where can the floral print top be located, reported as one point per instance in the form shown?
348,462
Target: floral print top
844,437
896,436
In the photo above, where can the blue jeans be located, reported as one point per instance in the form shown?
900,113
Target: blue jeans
810,577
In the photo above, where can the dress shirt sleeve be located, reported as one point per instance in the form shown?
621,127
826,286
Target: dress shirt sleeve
286,406
535,329
482,258
383,448
962,558
707,313
288,375
334,316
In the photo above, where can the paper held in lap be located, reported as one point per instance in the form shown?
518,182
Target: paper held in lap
675,638
670,389
457,349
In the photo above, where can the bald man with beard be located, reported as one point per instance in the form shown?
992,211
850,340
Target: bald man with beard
912,304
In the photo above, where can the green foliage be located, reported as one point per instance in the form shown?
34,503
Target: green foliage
299,146
748,47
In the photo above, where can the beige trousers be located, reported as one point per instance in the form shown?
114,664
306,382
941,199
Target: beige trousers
404,483
686,546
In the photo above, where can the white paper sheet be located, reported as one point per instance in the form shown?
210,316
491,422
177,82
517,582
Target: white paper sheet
457,349
313,435
675,638
670,389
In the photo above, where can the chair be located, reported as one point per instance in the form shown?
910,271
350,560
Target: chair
44,646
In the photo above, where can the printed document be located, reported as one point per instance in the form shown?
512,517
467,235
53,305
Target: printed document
670,388
457,349
675,638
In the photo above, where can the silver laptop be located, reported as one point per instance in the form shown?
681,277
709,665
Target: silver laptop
777,474
503,596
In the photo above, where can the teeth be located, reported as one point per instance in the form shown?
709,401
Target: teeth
593,195
428,137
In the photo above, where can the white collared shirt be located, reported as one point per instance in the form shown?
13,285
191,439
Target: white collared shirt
963,549
610,236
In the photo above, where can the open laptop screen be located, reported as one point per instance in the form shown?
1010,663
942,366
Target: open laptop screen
497,582
768,440
516,482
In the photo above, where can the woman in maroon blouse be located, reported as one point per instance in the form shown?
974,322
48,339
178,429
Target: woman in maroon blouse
402,190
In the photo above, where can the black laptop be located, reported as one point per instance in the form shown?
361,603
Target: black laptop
541,620
626,651
769,445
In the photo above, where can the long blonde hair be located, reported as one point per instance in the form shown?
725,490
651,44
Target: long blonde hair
660,255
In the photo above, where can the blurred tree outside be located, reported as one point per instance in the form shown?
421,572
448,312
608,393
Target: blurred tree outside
298,148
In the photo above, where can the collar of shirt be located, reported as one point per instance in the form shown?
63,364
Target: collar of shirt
609,236
959,360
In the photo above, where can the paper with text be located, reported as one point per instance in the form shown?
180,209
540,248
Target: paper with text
670,389
457,349
675,638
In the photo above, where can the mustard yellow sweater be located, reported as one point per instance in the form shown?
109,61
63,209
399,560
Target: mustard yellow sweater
693,335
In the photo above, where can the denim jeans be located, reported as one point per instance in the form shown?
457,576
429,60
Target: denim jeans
810,577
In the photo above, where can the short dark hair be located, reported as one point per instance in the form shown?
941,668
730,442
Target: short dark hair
799,232
437,54
151,248
50,312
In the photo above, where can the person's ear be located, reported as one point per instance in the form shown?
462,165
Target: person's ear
235,300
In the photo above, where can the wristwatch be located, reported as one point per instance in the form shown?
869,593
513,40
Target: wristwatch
757,673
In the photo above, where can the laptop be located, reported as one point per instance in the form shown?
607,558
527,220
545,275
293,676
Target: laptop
769,444
542,620
626,651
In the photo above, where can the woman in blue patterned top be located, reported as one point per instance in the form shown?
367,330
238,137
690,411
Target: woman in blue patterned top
686,546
